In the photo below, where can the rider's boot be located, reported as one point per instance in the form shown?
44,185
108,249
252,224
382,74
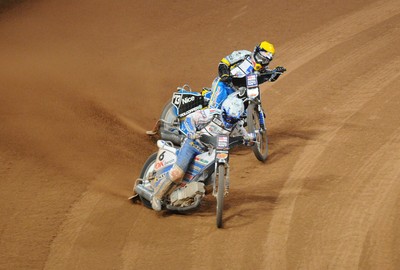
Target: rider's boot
159,192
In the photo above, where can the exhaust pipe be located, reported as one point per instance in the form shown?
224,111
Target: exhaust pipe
143,192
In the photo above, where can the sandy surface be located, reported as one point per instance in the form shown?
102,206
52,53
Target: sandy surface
80,82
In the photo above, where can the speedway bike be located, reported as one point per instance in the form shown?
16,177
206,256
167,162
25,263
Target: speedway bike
207,171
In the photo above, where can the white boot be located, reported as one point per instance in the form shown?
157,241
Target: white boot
159,193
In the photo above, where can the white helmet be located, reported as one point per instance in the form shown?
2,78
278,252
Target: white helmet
232,109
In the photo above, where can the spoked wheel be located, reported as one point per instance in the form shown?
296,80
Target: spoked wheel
148,168
168,115
221,193
260,149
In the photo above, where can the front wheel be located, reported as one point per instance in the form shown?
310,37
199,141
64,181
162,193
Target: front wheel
221,193
255,123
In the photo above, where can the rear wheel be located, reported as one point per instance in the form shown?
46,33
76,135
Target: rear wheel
221,193
169,127
260,149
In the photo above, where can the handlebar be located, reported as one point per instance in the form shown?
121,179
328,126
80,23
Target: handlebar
273,71
211,141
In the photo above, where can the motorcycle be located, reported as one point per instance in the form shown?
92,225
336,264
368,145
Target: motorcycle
184,102
208,170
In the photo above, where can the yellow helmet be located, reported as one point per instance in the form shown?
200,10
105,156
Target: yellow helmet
263,54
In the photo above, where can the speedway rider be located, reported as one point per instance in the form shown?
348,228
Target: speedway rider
212,122
232,71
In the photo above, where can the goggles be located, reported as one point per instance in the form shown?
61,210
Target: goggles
229,119
262,57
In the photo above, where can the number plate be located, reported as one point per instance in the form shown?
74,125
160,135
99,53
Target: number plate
223,142
252,81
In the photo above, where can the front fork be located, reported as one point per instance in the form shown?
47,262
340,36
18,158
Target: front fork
261,116
215,184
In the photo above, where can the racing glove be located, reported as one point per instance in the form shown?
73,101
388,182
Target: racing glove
280,69
250,139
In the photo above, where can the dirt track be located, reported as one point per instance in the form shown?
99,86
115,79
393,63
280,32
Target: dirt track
80,82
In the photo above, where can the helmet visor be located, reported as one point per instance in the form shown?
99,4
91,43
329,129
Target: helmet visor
262,57
229,119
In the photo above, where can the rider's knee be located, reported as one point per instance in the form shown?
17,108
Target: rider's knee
176,173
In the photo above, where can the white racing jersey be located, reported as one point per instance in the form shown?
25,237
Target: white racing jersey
240,63
209,122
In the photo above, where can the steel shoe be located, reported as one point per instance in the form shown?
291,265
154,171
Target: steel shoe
155,204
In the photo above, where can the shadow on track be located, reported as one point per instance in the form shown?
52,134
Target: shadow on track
294,133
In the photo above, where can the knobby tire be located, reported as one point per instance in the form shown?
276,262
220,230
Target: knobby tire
221,193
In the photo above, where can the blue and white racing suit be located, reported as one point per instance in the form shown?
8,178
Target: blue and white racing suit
206,122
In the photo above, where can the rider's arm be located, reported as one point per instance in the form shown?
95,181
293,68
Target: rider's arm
248,138
189,124
271,75
265,75
274,77
197,120
224,71
240,129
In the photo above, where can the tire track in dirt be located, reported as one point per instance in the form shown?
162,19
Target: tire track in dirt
318,75
322,223
334,213
96,217
280,225
308,46
378,176
381,244
279,229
